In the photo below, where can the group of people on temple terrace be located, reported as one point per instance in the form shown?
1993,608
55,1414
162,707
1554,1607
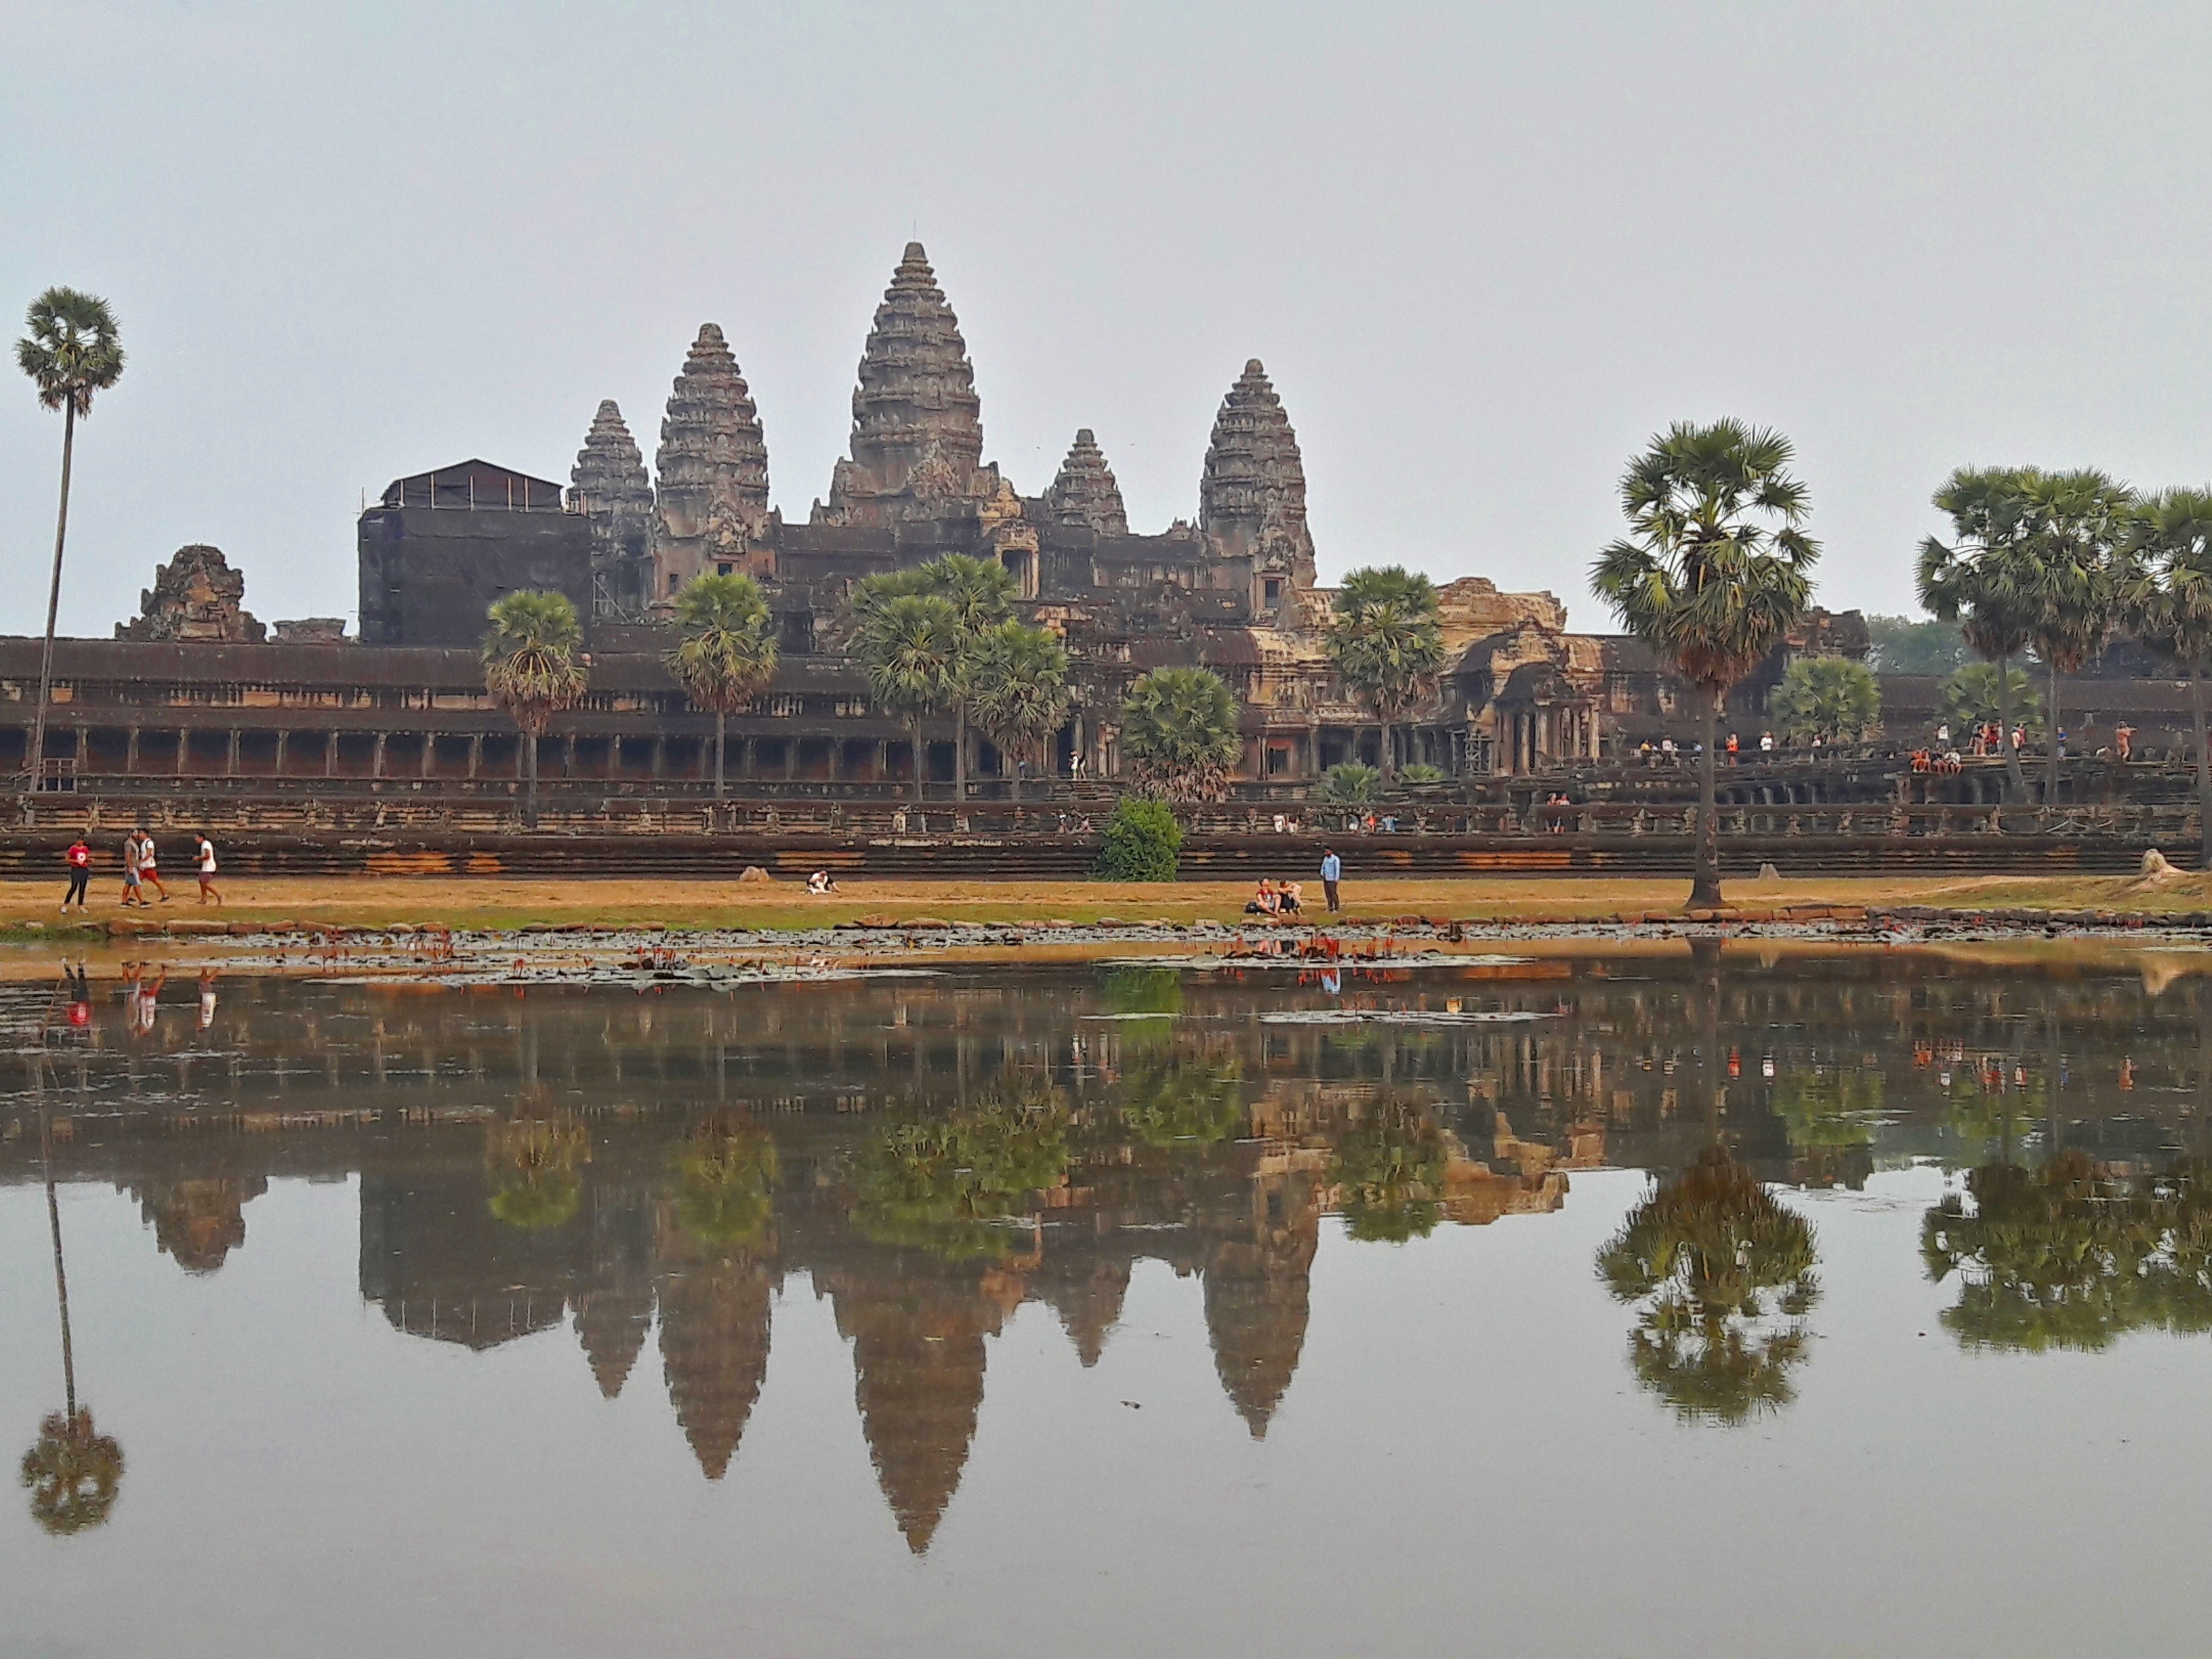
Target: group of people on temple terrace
141,869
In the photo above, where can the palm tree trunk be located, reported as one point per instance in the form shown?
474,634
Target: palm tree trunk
721,740
1705,883
2203,773
1014,777
54,1225
2017,785
919,760
34,762
1389,771
960,753
530,780
2051,789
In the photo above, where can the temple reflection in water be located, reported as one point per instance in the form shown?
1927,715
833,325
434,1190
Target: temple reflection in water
930,1153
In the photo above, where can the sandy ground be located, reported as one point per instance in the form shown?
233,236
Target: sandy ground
461,902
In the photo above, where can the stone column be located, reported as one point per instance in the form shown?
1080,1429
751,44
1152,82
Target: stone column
883,760
614,756
283,743
376,756
476,753
184,748
330,754
429,755
131,751
660,756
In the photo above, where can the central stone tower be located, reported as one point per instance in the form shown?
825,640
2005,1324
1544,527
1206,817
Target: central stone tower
917,446
1252,496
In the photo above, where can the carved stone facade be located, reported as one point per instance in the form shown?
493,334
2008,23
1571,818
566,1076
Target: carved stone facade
196,596
608,485
713,466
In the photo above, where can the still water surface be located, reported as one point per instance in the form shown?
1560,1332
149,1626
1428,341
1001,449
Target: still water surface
1690,1303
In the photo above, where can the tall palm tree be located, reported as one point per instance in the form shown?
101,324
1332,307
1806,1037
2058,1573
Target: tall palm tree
1387,643
1979,579
1714,575
73,350
726,651
533,670
1179,732
2169,608
982,594
1015,678
2079,525
909,648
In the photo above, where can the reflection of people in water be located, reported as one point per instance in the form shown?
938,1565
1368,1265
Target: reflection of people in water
207,998
79,996
141,995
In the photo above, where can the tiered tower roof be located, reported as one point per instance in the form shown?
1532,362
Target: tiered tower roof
609,476
917,422
1252,496
712,462
1083,491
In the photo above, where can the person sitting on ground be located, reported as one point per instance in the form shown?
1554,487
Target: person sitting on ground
1263,903
819,882
1288,897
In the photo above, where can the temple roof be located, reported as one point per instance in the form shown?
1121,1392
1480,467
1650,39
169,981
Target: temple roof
1252,494
1085,493
610,471
917,422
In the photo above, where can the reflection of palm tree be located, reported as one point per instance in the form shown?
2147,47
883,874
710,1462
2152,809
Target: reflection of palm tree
725,1185
73,1474
1726,1277
1183,1100
1389,1171
73,1471
1830,1115
947,1184
2066,1256
533,1160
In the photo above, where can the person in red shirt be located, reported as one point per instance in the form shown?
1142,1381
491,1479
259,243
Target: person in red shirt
80,868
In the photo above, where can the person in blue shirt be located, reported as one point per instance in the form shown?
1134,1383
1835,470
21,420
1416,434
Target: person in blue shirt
1332,871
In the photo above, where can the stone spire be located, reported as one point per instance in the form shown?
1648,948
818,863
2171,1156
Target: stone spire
1085,493
713,466
714,1328
195,597
1252,496
917,423
609,486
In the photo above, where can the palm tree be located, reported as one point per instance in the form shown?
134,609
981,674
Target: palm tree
982,594
532,669
2170,608
73,350
1179,731
1015,679
1714,575
1833,699
2077,563
1387,643
726,651
909,646
1389,1171
1980,579
725,1185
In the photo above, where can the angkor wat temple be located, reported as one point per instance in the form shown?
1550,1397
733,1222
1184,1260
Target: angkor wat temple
193,689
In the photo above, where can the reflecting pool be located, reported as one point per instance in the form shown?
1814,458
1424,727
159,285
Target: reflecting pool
1689,1301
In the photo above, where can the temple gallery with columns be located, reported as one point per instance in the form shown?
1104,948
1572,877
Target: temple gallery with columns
195,688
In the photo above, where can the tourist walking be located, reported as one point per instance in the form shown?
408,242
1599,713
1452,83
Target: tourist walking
148,867
132,893
80,868
204,855
1331,872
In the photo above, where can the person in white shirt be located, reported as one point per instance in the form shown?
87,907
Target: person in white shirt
204,855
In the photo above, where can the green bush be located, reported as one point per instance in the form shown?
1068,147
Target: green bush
1351,784
1144,842
1420,772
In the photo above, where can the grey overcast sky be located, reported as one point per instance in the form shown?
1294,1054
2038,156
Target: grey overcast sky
1485,250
